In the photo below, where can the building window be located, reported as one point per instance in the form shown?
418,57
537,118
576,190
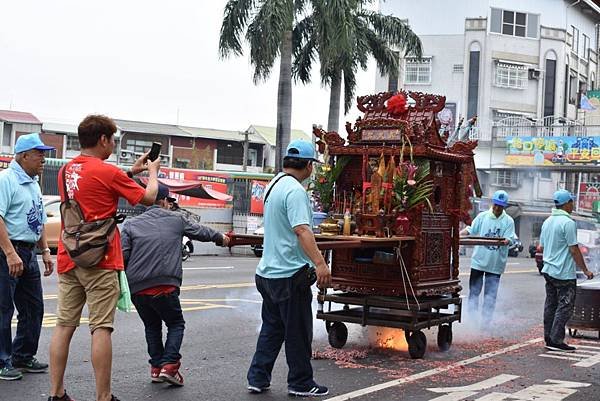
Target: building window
182,163
417,71
545,175
73,143
138,145
457,68
230,152
473,90
575,38
586,45
549,87
572,89
505,178
512,23
511,76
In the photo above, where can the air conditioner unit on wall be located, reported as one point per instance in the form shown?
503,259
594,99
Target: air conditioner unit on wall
534,74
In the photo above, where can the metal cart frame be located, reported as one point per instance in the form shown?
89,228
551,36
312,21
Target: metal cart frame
395,312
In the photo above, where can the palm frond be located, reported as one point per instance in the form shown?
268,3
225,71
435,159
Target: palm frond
265,35
395,31
302,61
235,19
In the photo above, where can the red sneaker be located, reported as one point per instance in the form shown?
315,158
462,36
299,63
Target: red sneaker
155,374
170,373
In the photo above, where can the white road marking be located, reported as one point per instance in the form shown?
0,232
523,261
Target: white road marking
210,268
585,355
482,385
431,372
460,393
551,390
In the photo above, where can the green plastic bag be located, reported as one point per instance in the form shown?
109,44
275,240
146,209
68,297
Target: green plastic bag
124,303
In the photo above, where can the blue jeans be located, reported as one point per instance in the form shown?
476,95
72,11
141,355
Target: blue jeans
490,292
286,317
154,310
24,293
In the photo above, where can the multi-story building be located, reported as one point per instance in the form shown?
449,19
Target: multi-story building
520,67
182,146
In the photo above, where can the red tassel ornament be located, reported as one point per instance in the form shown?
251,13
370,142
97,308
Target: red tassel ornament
396,104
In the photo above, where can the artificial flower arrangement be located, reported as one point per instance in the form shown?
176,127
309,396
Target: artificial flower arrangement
323,181
411,184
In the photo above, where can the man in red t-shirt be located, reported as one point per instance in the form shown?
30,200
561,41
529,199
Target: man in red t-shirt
96,186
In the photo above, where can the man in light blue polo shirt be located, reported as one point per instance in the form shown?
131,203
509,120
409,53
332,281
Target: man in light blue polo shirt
489,261
561,255
22,219
283,277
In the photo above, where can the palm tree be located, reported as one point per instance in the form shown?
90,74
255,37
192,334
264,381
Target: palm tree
268,26
344,35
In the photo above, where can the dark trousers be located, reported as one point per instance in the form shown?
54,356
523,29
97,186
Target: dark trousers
24,293
560,299
286,318
154,310
490,283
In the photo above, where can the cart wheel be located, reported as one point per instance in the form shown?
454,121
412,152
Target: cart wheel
417,344
338,335
444,338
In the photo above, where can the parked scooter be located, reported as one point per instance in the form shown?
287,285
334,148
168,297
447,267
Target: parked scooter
187,246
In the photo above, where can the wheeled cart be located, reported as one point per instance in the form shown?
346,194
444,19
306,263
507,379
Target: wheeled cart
395,312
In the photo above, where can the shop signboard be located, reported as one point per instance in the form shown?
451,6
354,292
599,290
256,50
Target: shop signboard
589,193
212,181
552,151
258,193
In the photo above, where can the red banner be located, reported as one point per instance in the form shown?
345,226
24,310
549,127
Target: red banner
5,161
588,193
209,180
258,193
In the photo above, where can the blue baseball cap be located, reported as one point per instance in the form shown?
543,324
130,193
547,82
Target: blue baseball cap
562,196
300,149
500,198
29,142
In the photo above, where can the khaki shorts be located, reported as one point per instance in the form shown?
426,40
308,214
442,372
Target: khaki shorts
99,287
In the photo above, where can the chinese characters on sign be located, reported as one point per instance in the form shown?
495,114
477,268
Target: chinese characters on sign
548,151
589,192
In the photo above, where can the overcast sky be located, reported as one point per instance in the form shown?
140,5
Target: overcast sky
139,60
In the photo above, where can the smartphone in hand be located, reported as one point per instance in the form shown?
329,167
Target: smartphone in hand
154,151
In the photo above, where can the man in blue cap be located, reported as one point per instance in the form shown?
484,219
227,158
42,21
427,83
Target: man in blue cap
22,218
489,262
283,277
561,257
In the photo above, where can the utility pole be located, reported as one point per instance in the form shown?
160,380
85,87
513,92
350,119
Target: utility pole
246,148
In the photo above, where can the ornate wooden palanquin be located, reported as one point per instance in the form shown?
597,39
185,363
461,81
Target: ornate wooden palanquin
430,254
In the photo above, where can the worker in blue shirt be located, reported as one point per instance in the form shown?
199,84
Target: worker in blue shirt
561,255
489,261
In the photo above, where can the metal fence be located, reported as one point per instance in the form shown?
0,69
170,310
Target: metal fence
551,126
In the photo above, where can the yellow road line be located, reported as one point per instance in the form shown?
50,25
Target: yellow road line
189,288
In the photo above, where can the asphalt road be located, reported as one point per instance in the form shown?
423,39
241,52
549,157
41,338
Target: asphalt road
222,309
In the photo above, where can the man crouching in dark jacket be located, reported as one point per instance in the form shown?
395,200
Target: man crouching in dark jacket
152,251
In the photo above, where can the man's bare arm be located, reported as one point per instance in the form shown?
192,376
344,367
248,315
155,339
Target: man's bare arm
580,261
309,246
